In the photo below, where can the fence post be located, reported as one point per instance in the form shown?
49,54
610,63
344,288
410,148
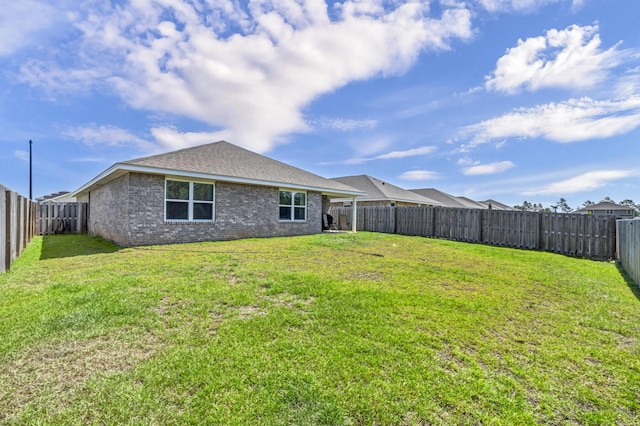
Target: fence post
3,229
17,226
540,231
395,219
618,234
7,243
481,223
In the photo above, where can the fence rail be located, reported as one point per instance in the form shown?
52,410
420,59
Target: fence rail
628,232
61,218
17,226
579,235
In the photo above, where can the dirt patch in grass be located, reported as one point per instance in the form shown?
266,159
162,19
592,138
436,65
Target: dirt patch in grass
48,376
372,276
289,300
246,312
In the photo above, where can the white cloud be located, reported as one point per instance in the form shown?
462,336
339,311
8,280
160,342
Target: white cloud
253,75
344,124
415,152
570,121
581,183
416,175
367,147
58,80
21,155
423,150
628,84
522,5
488,169
171,138
21,22
569,58
467,161
94,135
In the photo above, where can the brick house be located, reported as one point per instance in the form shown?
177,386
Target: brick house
606,208
216,191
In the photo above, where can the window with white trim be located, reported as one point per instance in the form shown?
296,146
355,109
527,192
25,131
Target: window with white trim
188,201
293,206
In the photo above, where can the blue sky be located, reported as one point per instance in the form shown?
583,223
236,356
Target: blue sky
506,99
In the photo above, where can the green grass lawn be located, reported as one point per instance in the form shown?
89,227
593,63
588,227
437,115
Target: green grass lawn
356,329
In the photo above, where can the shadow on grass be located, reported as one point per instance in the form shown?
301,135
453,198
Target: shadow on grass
635,288
59,246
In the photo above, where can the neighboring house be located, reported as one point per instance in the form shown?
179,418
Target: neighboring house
472,204
608,209
216,191
380,193
496,205
57,197
449,200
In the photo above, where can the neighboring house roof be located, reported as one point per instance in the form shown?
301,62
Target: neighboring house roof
378,190
224,161
605,205
60,196
496,205
449,200
445,199
471,204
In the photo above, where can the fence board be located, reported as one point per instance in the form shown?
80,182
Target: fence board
21,219
586,236
61,218
5,231
628,247
16,226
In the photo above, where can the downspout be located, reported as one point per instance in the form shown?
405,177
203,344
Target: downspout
354,214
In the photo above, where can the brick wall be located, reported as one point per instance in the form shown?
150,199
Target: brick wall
241,211
109,209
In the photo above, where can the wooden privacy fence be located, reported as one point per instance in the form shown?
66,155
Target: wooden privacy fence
17,226
61,218
579,235
628,233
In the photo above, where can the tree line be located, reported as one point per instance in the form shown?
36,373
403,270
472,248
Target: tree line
563,207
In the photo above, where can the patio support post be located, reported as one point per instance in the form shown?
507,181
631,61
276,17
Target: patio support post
354,214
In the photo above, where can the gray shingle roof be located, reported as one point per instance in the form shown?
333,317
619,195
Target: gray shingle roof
604,205
377,190
496,205
442,197
225,161
52,196
449,200
471,204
